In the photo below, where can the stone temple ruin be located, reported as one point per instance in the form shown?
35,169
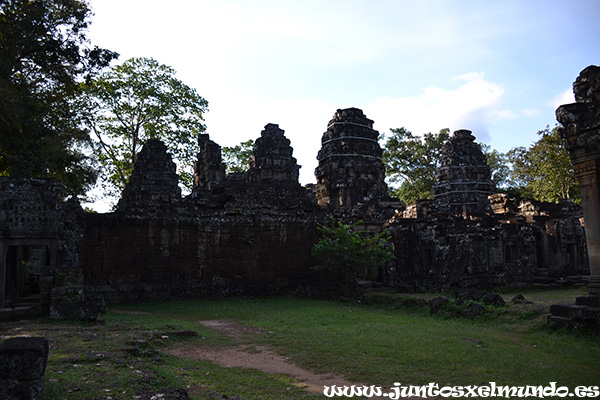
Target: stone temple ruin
253,232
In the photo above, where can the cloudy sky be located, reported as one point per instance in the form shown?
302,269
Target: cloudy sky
498,68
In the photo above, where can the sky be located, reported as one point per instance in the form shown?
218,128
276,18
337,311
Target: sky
497,68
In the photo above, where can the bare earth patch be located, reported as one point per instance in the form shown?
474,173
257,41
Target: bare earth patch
229,327
262,358
130,312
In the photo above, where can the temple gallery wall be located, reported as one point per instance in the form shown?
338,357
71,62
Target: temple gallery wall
253,232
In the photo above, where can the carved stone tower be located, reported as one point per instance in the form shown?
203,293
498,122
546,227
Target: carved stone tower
153,182
350,170
272,161
463,181
209,169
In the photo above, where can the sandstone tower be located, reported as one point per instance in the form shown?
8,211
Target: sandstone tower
463,181
350,170
272,161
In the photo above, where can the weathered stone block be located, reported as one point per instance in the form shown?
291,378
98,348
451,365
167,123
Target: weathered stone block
23,358
437,303
79,310
520,299
493,298
560,310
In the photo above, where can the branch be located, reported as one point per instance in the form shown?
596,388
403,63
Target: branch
109,151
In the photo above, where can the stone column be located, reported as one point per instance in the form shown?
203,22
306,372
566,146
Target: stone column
581,122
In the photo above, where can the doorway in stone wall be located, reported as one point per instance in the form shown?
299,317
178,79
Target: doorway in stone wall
23,271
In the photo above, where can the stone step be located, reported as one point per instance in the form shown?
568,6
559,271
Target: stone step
588,300
21,311
542,272
576,311
543,279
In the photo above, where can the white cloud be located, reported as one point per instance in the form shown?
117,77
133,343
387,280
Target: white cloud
566,97
471,76
501,114
472,105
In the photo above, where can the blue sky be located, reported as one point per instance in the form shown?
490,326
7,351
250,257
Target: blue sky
498,68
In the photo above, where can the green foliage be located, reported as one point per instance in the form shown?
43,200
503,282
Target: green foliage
469,308
44,54
139,100
412,161
237,158
499,165
544,171
345,252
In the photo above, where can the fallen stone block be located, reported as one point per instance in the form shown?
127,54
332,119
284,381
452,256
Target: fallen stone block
23,358
437,303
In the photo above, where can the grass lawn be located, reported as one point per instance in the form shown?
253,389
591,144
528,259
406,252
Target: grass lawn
375,344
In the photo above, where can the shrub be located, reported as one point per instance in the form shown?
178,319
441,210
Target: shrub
344,251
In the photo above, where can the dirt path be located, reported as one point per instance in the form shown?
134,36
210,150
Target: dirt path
262,358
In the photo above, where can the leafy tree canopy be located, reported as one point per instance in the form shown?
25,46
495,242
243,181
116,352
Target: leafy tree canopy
237,158
499,166
412,162
139,100
544,171
44,54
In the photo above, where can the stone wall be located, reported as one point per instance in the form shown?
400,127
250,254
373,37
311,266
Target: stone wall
128,259
521,243
243,233
453,252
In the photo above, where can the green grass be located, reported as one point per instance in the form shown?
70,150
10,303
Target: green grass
376,344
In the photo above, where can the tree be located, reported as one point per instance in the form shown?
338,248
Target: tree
139,100
412,162
498,163
544,171
44,54
345,251
237,158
